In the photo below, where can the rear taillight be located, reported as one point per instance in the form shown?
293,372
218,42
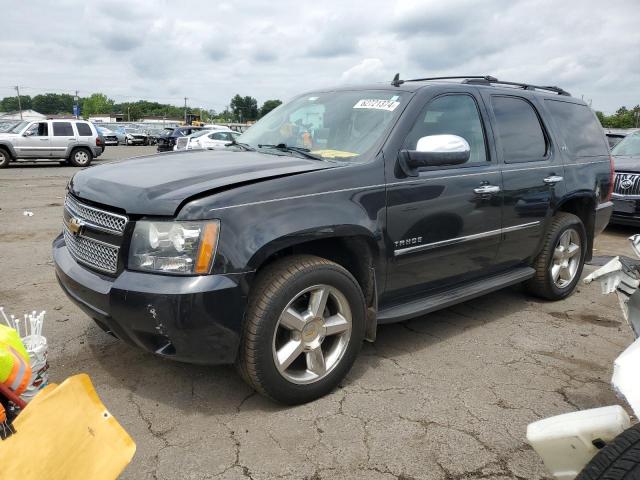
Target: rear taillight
98,142
612,177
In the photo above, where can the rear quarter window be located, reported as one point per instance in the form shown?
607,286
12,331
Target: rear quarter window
84,130
579,128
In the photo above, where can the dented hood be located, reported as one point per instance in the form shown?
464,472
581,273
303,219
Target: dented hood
159,184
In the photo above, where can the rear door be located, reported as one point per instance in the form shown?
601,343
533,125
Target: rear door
444,230
532,174
63,138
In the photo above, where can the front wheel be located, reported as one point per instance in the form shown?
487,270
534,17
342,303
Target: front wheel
80,157
4,158
304,328
559,264
618,460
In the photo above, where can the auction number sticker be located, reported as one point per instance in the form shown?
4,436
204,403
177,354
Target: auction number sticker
377,104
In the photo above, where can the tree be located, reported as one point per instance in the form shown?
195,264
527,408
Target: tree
623,118
244,108
10,104
269,105
53,103
96,103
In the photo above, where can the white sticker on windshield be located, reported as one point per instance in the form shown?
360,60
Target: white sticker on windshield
377,104
312,99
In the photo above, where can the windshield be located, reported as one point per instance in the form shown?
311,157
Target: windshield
17,128
342,124
630,145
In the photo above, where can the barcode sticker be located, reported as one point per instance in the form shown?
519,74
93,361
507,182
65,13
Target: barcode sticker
377,104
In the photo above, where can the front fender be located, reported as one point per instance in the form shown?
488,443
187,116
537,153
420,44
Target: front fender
251,233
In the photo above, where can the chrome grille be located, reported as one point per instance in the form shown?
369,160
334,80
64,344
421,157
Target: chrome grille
95,217
95,254
626,184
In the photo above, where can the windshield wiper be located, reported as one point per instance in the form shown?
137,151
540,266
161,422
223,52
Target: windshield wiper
245,146
287,148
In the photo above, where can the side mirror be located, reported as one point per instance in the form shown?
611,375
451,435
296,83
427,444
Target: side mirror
434,151
28,133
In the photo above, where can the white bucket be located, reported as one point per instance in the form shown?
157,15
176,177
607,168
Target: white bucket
38,355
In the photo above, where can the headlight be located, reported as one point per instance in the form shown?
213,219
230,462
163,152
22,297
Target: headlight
183,248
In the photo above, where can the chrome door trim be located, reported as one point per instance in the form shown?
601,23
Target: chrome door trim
466,238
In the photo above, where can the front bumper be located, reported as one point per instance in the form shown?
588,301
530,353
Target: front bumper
193,319
626,211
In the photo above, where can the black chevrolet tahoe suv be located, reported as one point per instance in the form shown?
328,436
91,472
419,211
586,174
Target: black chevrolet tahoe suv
340,210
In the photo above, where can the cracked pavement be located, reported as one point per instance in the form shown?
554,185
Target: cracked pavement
446,396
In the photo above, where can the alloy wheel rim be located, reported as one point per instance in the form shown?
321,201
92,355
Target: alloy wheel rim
82,157
312,334
566,258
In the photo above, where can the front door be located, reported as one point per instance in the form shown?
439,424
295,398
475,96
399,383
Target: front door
63,138
35,141
532,175
444,225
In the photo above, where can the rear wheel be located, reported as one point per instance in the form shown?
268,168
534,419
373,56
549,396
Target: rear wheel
618,460
5,158
559,264
80,157
303,331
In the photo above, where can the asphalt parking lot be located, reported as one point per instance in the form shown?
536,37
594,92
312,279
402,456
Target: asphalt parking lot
447,396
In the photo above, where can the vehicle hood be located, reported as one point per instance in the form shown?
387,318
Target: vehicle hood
5,135
159,184
627,163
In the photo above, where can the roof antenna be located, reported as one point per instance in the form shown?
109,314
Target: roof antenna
396,82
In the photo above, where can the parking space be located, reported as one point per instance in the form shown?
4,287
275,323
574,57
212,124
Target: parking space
444,396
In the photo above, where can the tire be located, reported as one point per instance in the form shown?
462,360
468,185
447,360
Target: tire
543,283
291,284
618,460
80,157
5,158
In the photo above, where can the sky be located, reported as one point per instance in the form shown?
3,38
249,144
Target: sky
210,50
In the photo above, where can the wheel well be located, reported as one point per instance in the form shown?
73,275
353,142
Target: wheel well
582,207
7,150
354,253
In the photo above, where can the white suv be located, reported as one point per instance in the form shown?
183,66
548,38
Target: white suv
75,142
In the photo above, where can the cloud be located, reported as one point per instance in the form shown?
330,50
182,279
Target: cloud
276,50
365,71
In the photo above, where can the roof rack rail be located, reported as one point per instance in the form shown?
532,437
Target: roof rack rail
482,80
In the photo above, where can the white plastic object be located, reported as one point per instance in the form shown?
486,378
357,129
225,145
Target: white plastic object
609,276
38,351
564,442
625,376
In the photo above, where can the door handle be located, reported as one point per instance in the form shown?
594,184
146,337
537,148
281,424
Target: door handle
70,139
553,179
486,189
44,139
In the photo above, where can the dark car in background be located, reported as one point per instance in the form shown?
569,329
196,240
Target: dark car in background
168,141
626,190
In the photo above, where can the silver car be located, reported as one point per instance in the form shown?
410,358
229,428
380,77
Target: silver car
75,142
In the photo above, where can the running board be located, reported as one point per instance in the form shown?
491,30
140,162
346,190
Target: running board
462,293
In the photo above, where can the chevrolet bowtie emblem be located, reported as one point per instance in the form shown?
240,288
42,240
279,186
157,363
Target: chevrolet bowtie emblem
75,225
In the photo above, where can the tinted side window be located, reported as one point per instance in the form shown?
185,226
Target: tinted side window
519,130
454,115
62,129
84,130
579,128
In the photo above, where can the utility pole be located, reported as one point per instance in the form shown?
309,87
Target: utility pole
19,103
185,110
